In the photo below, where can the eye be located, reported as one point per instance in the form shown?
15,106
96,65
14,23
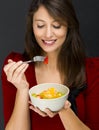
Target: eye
40,26
57,26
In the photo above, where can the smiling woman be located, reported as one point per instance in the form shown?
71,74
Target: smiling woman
52,31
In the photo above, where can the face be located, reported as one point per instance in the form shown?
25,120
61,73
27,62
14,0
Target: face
49,33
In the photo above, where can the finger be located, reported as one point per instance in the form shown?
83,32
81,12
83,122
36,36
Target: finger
67,104
50,113
10,69
37,110
42,113
10,60
23,68
30,102
20,71
15,66
8,66
11,65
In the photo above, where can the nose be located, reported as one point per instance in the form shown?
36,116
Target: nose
49,32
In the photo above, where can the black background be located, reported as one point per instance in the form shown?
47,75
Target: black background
12,29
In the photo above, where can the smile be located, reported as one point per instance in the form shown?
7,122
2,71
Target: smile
49,42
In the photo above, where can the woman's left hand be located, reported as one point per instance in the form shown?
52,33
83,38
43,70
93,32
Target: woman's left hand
48,112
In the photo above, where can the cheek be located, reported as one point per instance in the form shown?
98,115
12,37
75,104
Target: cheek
37,32
62,34
37,35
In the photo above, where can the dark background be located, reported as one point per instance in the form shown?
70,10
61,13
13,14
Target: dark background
12,29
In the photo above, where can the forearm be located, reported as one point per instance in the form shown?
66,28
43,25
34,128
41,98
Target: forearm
71,121
20,119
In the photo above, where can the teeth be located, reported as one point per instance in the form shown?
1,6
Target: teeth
49,42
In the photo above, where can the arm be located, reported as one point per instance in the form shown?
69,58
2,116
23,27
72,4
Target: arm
71,121
18,119
20,116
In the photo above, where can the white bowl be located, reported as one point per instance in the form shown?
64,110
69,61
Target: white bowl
54,104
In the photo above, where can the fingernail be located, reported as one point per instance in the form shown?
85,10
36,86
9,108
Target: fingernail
9,60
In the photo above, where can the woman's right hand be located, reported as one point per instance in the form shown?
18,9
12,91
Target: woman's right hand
15,72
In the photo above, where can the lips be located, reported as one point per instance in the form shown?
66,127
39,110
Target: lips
49,42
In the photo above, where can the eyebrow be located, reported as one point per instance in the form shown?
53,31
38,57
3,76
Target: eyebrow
39,20
44,21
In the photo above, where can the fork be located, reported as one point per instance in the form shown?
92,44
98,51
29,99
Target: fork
36,59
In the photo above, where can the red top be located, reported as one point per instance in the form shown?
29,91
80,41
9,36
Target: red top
87,101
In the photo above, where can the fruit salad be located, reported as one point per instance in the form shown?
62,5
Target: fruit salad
46,60
50,93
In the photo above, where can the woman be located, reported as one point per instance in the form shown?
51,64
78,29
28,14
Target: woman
52,31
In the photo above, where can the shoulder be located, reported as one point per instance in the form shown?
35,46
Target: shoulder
14,56
92,61
92,72
92,65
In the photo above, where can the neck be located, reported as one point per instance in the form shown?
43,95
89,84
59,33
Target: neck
52,62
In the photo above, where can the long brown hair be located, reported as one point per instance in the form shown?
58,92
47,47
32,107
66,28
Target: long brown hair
71,58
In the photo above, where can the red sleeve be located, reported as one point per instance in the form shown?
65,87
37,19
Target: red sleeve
9,91
92,94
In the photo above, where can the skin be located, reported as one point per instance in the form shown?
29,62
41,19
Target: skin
47,29
50,38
